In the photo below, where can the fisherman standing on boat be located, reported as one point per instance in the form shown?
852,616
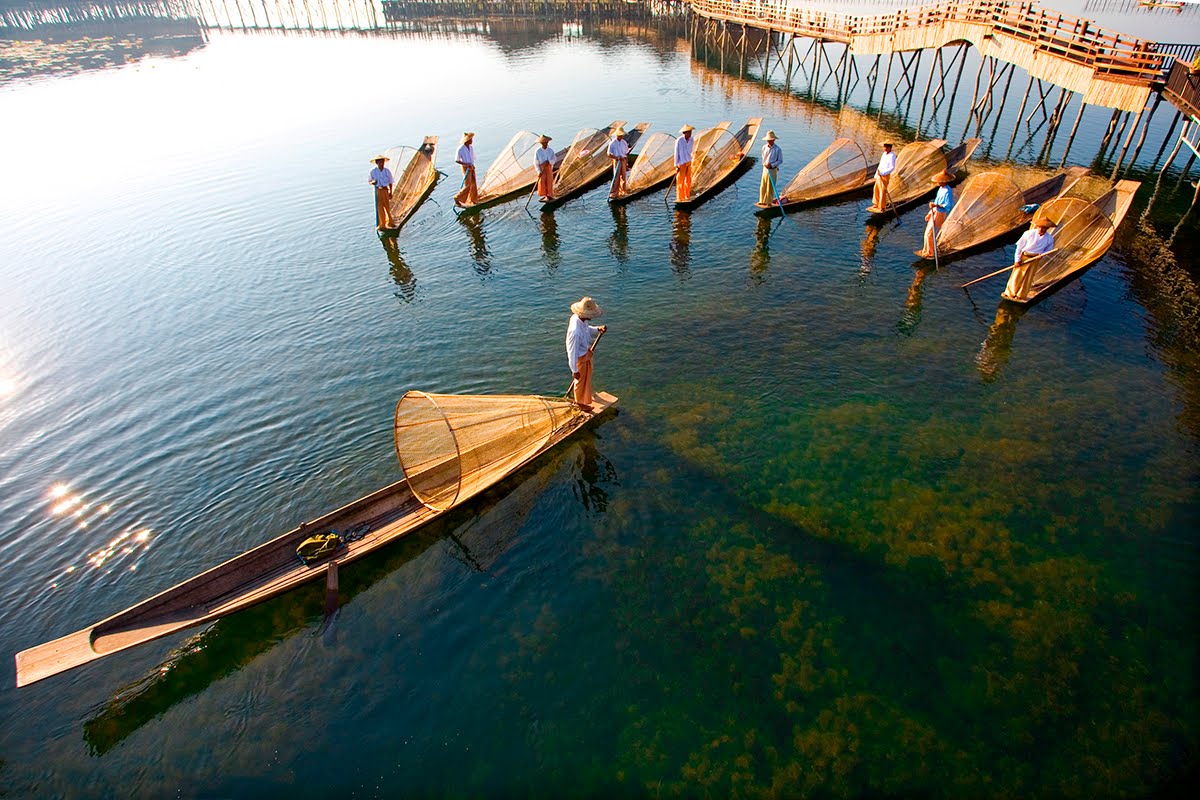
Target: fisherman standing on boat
543,157
1036,241
618,152
887,165
469,194
381,179
943,201
683,163
580,336
772,160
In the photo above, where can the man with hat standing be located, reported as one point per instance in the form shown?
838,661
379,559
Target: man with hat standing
580,337
381,179
618,152
543,158
1036,241
943,201
683,163
772,159
887,165
465,158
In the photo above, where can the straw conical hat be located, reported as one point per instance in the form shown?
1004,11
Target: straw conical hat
1043,222
587,307
380,157
686,128
942,177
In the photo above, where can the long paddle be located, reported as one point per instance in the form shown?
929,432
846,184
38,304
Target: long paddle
595,342
1006,269
936,231
667,196
892,205
778,201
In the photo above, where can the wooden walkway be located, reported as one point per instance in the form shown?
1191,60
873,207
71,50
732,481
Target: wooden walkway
1105,68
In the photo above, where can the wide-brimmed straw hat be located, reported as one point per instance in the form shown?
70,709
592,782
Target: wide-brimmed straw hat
467,135
544,138
686,128
1044,222
942,177
886,143
380,157
619,132
770,136
586,307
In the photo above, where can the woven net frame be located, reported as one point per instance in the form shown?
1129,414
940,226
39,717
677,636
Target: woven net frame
587,157
513,168
990,204
840,167
451,447
418,172
656,163
719,158
915,167
1083,233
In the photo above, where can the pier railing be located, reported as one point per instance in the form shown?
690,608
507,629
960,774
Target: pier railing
1074,39
1183,86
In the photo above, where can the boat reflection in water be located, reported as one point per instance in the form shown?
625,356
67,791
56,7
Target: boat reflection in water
618,240
480,255
760,256
870,243
476,536
913,303
550,242
993,354
402,276
681,242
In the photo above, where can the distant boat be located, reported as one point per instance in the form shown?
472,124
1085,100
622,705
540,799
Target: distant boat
654,166
716,155
412,185
1171,4
587,163
512,173
450,447
916,166
839,169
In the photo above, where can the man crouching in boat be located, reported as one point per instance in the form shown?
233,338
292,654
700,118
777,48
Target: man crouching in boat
543,158
580,337
381,179
1036,241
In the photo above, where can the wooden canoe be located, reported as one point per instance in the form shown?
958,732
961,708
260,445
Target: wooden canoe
916,165
1085,232
414,184
586,163
839,169
273,568
717,155
512,174
992,205
655,166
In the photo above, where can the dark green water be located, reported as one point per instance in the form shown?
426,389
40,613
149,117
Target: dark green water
852,531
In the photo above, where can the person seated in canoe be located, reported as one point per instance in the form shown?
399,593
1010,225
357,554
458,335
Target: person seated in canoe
543,158
883,173
381,179
943,201
465,158
683,163
618,153
580,338
772,160
1036,241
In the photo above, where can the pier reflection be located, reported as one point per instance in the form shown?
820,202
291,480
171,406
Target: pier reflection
402,276
993,354
618,240
681,242
480,255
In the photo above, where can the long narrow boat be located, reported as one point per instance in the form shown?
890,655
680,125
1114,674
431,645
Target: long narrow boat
513,172
654,166
450,447
587,163
717,155
1083,234
992,205
412,185
839,169
916,165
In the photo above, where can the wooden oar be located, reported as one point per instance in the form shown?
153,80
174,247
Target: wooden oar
892,205
936,231
778,201
1006,269
667,196
595,342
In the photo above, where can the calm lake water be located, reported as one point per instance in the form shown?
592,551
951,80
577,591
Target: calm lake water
852,530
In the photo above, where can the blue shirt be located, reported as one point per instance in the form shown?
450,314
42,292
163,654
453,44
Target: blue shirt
944,201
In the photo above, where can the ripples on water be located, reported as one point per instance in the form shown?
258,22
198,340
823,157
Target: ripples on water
846,510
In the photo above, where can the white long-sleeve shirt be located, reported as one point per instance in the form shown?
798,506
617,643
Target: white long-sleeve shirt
381,177
772,156
887,163
1034,243
683,150
579,339
618,148
544,155
466,155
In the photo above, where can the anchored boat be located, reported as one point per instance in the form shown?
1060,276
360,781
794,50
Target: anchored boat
839,169
654,166
414,184
587,163
717,154
513,172
916,165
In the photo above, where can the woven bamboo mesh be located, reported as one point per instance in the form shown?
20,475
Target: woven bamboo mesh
915,167
989,205
1083,234
417,172
454,446
840,167
513,168
719,158
656,163
587,157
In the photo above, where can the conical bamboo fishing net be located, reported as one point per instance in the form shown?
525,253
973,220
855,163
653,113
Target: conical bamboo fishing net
915,167
655,164
724,151
586,158
990,205
513,169
841,167
417,173
1084,233
454,446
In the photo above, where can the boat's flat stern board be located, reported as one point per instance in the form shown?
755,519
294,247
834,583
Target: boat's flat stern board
54,657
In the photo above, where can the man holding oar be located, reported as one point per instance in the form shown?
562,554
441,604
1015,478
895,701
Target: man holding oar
381,179
683,163
943,201
543,157
618,153
772,160
581,338
887,165
465,158
1036,241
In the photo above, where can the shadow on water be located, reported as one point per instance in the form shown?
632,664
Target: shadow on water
550,241
480,255
913,303
996,348
478,533
402,275
681,242
760,256
618,240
